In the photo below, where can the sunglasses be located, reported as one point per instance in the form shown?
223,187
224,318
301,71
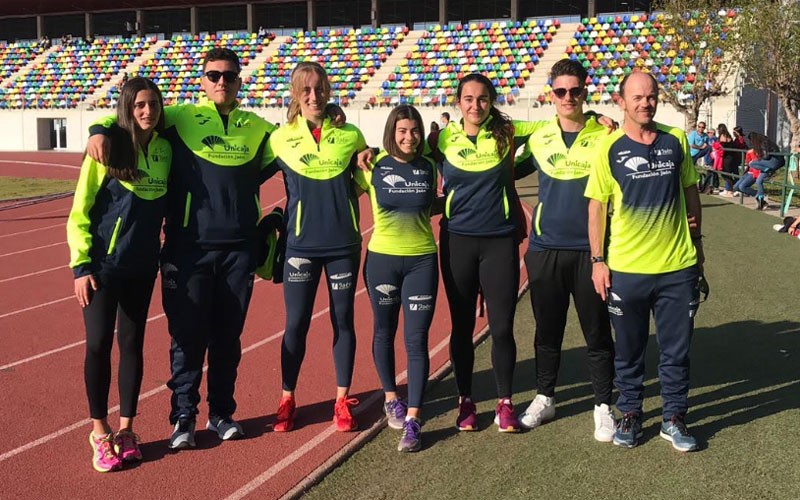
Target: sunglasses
228,76
574,92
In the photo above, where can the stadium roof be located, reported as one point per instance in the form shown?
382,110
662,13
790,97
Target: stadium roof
35,7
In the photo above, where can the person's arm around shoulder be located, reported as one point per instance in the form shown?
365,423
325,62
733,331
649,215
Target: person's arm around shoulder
79,236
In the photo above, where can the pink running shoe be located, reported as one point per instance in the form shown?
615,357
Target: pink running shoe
104,458
126,444
467,419
504,417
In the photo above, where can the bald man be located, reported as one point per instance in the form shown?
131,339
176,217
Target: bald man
653,260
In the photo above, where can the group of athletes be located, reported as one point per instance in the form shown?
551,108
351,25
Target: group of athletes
198,169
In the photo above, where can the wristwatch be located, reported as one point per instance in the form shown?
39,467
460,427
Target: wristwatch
597,258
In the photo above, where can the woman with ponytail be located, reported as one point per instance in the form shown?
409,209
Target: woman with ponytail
113,233
317,160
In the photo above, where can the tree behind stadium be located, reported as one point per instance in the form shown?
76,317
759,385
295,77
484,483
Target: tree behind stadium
769,34
698,33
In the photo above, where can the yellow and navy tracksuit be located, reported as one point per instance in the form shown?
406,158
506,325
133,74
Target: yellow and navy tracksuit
479,245
322,226
558,257
113,233
400,268
652,259
208,261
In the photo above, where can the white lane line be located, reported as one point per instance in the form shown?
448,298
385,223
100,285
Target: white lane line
59,165
31,231
32,249
59,349
38,306
45,439
37,216
32,274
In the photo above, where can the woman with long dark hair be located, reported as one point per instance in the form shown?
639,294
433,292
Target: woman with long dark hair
113,234
401,269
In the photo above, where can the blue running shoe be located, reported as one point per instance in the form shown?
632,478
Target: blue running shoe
629,430
674,430
411,440
395,411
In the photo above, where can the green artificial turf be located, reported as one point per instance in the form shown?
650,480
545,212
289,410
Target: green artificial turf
12,188
745,400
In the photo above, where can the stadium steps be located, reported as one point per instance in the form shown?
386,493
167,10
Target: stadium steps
373,86
554,53
261,59
132,70
28,67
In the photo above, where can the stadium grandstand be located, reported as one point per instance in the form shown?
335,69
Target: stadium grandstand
61,68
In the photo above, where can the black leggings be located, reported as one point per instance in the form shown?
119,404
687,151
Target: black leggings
126,300
491,263
394,281
300,281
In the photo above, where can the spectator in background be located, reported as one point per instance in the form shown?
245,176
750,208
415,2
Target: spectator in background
445,119
726,158
433,136
762,165
711,179
698,143
738,138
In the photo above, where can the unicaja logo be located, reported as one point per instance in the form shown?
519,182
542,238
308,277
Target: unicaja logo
466,153
308,159
635,162
386,292
556,158
392,180
212,141
298,262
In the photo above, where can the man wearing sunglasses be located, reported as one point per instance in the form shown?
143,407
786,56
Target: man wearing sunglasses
207,262
652,260
557,259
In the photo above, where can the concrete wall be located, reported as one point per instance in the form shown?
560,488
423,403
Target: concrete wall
20,128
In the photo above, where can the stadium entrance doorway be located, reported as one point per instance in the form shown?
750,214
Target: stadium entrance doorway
52,133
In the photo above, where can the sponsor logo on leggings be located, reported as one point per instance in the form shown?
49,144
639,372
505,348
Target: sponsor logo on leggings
299,274
341,281
168,276
386,292
614,302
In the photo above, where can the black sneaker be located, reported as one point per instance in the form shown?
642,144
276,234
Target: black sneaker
629,430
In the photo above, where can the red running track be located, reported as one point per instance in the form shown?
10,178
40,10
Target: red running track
44,451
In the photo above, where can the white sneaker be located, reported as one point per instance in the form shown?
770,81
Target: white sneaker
777,227
540,410
604,423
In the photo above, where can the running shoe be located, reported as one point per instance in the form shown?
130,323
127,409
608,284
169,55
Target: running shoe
604,423
411,440
395,411
104,458
126,444
284,420
226,428
344,420
674,430
504,417
539,411
467,419
182,435
629,430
